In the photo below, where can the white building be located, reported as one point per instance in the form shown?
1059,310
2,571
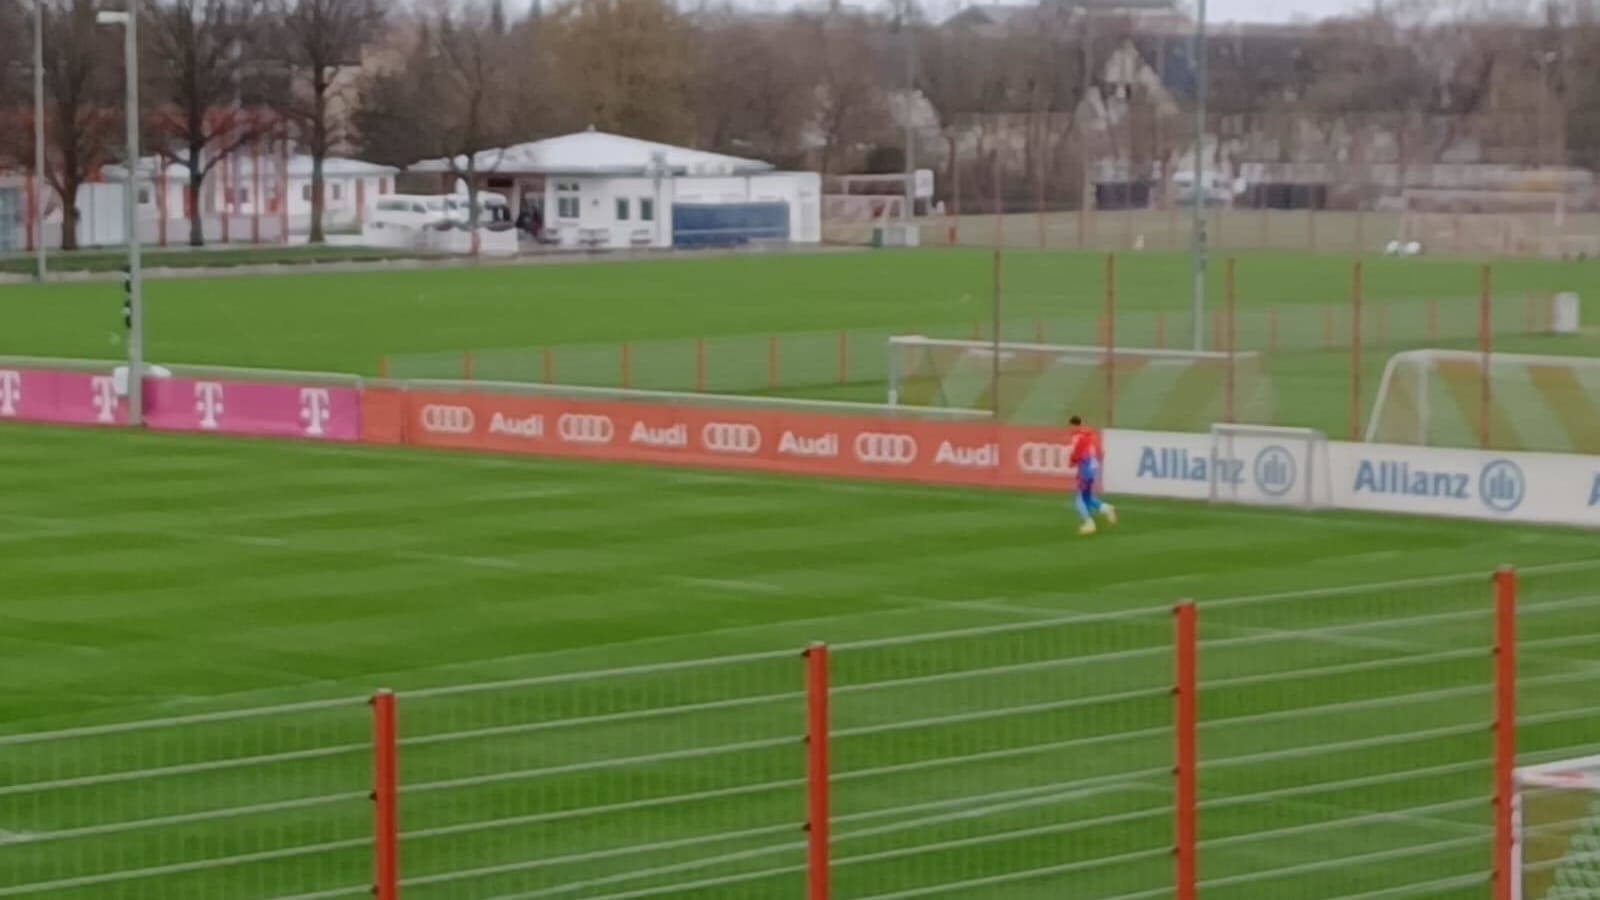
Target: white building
593,189
242,201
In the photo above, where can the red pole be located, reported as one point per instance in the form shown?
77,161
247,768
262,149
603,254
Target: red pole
844,357
1486,348
772,362
700,364
1355,350
625,360
385,799
1505,728
1111,339
548,361
817,772
466,365
1184,771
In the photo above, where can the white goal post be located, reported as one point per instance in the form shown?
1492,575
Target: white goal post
1268,465
1556,815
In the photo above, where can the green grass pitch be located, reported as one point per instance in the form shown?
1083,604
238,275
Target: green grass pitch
161,575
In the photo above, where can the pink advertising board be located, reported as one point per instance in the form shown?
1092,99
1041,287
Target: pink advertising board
59,396
263,409
266,409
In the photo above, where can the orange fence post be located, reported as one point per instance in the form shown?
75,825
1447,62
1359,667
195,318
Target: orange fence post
1433,320
625,363
1184,726
1111,339
385,798
1505,729
1038,331
548,363
383,368
817,772
1486,349
1355,350
466,365
1161,331
1231,309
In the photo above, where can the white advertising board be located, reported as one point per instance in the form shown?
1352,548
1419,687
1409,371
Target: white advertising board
1546,488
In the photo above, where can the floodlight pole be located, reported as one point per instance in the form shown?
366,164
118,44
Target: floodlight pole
129,21
1197,239
42,266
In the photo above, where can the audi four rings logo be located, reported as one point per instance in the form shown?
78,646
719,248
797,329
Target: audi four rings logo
731,437
585,428
448,419
1043,459
886,449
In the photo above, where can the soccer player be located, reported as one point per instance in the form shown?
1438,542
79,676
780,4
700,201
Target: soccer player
1086,456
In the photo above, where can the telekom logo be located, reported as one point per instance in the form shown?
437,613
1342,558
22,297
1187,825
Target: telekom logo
314,403
105,398
208,402
10,391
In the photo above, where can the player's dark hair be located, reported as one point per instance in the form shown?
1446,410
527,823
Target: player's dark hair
1075,420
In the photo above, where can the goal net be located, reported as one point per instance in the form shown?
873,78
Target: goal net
1044,384
1557,852
1459,398
1264,465
1491,222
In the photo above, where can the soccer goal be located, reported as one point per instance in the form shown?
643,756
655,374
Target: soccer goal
1044,384
1491,222
1557,816
1459,398
1264,465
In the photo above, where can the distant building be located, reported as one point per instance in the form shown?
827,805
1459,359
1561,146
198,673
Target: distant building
593,189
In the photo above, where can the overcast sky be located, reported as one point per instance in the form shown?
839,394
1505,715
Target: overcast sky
1277,10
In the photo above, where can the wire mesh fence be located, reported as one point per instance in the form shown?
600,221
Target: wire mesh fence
1346,743
651,781
1351,744
249,805
1025,761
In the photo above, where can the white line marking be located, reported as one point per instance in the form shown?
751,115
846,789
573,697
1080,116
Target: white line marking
727,584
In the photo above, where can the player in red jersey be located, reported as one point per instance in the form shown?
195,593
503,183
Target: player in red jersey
1086,457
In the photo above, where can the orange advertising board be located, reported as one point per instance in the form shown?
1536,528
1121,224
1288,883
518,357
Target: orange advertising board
960,453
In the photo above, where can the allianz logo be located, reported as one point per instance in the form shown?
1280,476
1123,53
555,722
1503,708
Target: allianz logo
1178,464
1501,484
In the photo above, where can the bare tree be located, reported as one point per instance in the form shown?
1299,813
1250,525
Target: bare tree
748,90
322,40
625,65
200,84
459,95
848,95
81,110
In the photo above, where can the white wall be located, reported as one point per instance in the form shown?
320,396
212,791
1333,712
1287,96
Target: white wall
597,223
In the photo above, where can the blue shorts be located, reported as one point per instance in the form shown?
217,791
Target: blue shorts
1088,473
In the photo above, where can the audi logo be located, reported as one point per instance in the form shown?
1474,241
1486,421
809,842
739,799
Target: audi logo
448,419
585,428
1044,459
886,449
730,437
